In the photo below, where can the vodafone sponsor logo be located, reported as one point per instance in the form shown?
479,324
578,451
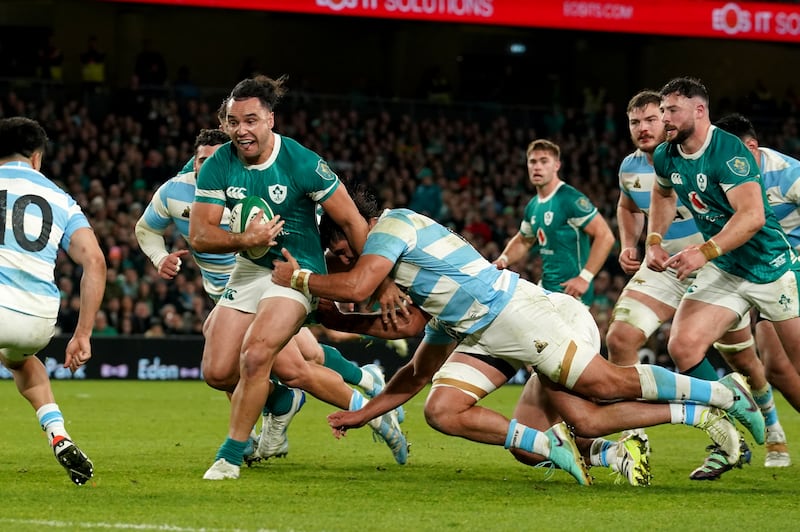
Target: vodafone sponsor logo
733,19
459,8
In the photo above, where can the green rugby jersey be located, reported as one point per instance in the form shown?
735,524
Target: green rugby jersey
557,222
701,181
292,181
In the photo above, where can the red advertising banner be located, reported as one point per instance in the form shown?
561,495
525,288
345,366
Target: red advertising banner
690,18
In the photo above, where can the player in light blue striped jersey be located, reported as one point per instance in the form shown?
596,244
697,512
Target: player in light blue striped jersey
501,323
38,218
172,203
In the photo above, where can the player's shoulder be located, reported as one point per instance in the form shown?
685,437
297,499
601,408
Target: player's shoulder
635,163
663,153
224,155
569,192
775,160
34,182
304,159
721,139
662,150
291,148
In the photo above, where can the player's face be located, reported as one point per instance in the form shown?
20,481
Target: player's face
678,116
542,167
250,127
341,248
203,153
646,127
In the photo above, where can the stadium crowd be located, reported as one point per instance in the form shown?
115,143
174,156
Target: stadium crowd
468,173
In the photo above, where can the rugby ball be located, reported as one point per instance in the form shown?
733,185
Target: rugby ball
243,213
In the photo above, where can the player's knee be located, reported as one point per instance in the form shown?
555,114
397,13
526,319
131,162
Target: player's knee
219,379
684,348
254,360
221,376
439,417
623,344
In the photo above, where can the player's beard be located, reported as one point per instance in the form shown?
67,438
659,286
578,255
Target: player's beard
681,135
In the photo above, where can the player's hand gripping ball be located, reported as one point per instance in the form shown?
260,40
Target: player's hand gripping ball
245,212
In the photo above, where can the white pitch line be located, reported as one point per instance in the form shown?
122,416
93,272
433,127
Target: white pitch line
118,526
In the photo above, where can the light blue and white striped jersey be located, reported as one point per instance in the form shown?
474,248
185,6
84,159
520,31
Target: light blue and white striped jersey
636,180
38,218
781,176
172,203
444,275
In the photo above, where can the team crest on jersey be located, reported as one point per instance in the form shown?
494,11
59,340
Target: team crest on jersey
548,217
702,182
697,204
325,171
739,166
584,204
541,237
277,193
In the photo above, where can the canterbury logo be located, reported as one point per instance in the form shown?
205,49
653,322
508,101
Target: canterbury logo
236,193
229,294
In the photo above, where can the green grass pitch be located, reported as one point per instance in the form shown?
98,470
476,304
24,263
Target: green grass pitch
152,441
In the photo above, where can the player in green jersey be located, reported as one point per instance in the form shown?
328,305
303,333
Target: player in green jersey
746,260
574,240
292,180
650,298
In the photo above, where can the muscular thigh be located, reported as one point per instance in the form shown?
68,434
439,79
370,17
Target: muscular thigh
224,331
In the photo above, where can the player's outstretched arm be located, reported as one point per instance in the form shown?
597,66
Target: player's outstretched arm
85,250
405,384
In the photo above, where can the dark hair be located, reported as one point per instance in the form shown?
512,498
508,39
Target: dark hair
644,98
222,111
367,205
210,137
688,87
21,136
269,91
738,125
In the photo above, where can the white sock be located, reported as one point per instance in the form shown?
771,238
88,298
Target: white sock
52,421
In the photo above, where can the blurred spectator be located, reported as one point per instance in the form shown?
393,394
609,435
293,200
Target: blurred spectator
93,64
427,196
101,325
151,69
50,61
